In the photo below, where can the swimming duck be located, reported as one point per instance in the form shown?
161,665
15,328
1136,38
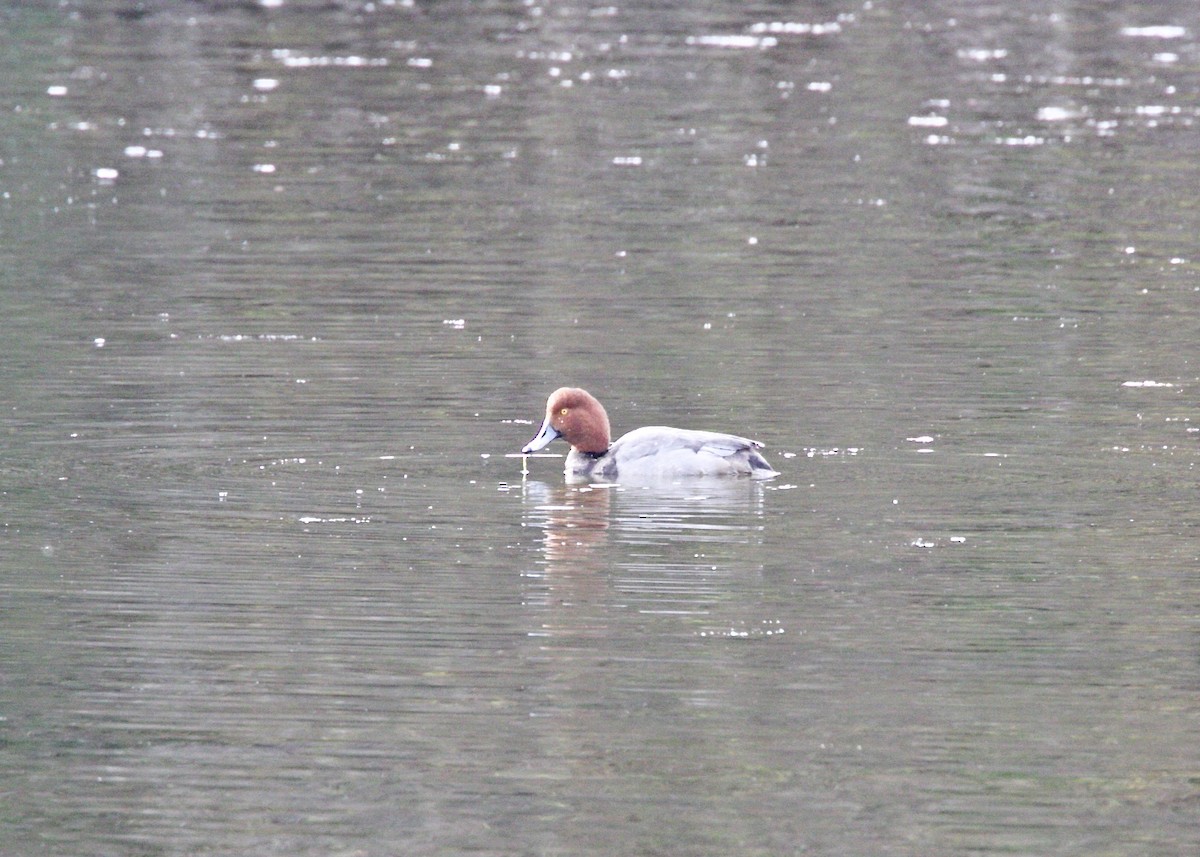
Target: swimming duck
644,454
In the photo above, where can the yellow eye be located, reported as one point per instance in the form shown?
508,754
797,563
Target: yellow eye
565,411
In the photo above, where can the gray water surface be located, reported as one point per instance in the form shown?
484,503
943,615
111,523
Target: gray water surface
284,283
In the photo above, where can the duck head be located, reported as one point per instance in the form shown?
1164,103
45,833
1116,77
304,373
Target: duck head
578,418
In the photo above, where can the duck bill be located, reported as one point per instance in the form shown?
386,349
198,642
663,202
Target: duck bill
546,434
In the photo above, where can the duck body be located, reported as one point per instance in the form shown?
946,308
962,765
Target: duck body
662,452
644,455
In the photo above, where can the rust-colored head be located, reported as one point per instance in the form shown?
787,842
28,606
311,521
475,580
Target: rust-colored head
578,418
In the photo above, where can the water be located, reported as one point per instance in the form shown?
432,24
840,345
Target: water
271,586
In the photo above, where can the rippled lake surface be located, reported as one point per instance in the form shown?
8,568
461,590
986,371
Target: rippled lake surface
283,283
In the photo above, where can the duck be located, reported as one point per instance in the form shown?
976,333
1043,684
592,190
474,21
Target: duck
647,454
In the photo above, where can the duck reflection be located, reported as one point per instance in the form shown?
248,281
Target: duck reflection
574,522
689,511
577,519
574,519
625,585
599,541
